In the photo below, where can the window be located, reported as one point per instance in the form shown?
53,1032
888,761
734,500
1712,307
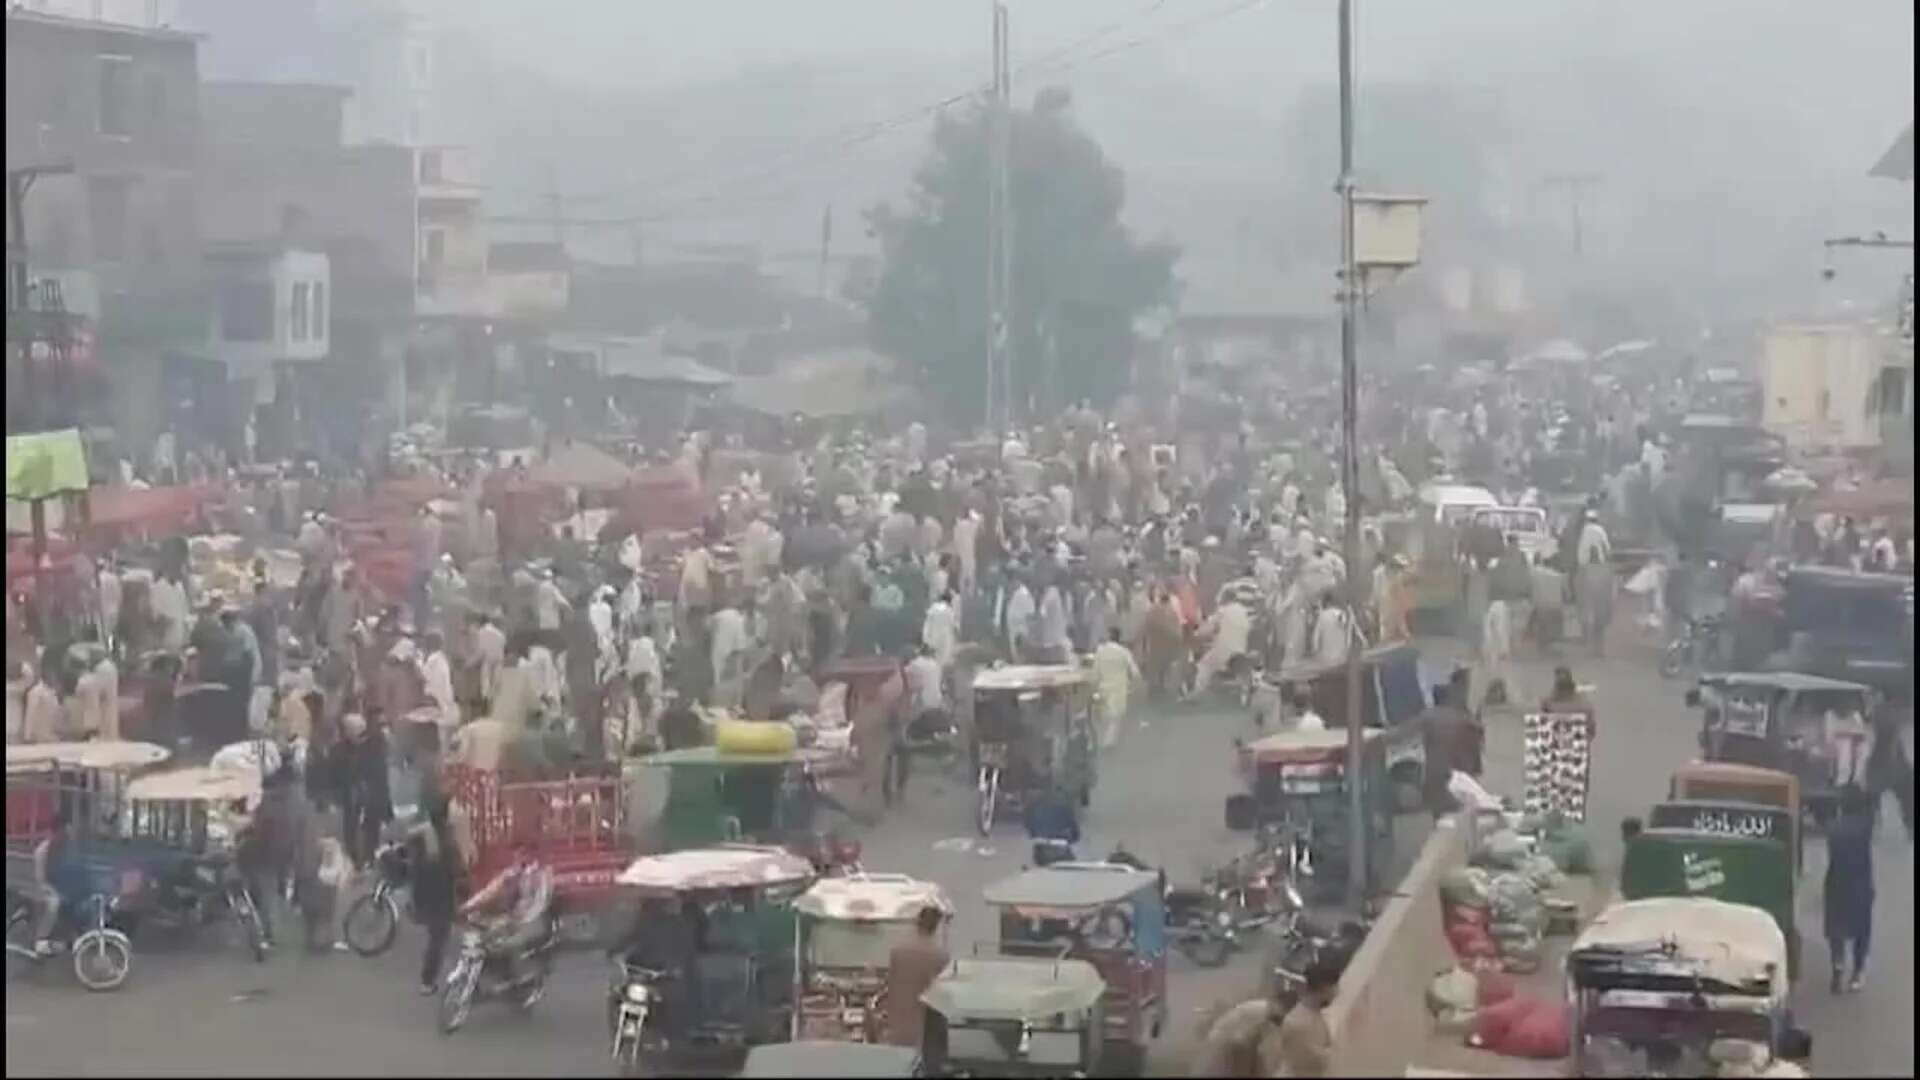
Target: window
116,73
156,95
107,216
319,311
246,310
300,309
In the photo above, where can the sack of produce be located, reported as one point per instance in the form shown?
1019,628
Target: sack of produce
1465,915
1541,872
1542,1033
1454,989
1470,942
1493,988
1454,1022
1512,898
1465,886
1491,1025
754,737
1501,850
1569,850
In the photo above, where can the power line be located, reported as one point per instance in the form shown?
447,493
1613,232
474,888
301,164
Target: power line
861,134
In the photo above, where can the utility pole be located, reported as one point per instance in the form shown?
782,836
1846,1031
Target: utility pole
1576,186
1359,842
999,235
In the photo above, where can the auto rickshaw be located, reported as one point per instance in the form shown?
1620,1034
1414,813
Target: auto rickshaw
1296,785
87,782
1659,987
846,931
1751,870
709,962
1392,693
1006,1017
1033,728
1785,721
1108,915
182,830
830,1058
715,796
1743,800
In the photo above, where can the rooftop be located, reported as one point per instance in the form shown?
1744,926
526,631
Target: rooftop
16,15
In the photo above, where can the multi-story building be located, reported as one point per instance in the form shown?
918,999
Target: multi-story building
112,108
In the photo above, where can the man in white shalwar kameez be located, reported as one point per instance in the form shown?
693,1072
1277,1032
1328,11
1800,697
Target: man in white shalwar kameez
940,630
1114,671
1228,628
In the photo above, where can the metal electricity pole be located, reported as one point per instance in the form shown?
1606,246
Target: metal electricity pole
1576,186
999,234
1359,842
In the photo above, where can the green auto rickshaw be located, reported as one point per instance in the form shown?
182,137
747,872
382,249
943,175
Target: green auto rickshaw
1754,870
715,796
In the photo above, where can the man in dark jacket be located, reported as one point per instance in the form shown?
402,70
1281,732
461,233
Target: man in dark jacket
1453,741
280,826
365,800
1848,892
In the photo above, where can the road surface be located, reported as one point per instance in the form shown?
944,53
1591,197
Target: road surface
209,1011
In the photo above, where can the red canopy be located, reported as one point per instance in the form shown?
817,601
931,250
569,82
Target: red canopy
146,508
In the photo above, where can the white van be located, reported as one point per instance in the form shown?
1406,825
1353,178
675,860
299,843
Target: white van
1454,504
1528,524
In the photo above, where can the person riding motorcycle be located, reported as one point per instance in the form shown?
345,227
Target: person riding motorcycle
53,873
512,910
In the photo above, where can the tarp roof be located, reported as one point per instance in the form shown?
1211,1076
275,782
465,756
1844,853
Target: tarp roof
1897,162
977,990
46,464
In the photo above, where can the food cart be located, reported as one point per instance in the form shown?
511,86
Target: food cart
1033,727
1654,983
1112,918
845,934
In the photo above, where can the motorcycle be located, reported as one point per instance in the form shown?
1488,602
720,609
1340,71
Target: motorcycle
373,920
1697,643
635,997
102,956
482,974
1211,922
196,893
1304,944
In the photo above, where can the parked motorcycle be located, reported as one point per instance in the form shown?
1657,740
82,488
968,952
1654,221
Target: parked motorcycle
482,974
373,920
1697,643
102,956
197,892
1304,944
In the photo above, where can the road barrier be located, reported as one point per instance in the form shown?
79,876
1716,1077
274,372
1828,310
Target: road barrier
1379,1018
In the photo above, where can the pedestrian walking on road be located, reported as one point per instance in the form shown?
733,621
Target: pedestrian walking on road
436,866
912,966
1848,893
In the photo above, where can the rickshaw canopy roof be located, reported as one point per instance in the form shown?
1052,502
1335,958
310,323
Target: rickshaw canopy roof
871,898
1005,989
114,754
1716,774
1023,677
731,866
1300,746
1734,944
820,1057
196,784
1070,885
1793,682
712,757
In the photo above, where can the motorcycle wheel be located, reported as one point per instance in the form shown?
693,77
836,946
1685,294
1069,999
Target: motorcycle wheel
988,799
456,999
102,960
250,925
371,924
1207,950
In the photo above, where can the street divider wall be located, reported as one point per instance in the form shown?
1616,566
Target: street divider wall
1379,1018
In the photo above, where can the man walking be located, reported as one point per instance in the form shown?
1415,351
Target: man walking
912,967
1848,892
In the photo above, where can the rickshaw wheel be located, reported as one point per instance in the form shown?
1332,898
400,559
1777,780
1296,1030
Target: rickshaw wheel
102,961
19,944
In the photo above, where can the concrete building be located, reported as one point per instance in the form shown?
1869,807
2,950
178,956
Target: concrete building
1836,386
118,235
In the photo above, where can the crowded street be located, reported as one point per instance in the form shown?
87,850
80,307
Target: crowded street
220,1015
1223,562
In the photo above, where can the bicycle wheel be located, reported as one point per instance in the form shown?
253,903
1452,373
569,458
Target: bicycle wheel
371,924
102,960
456,1001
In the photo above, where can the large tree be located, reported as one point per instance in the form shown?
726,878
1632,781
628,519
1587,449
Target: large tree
1079,277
